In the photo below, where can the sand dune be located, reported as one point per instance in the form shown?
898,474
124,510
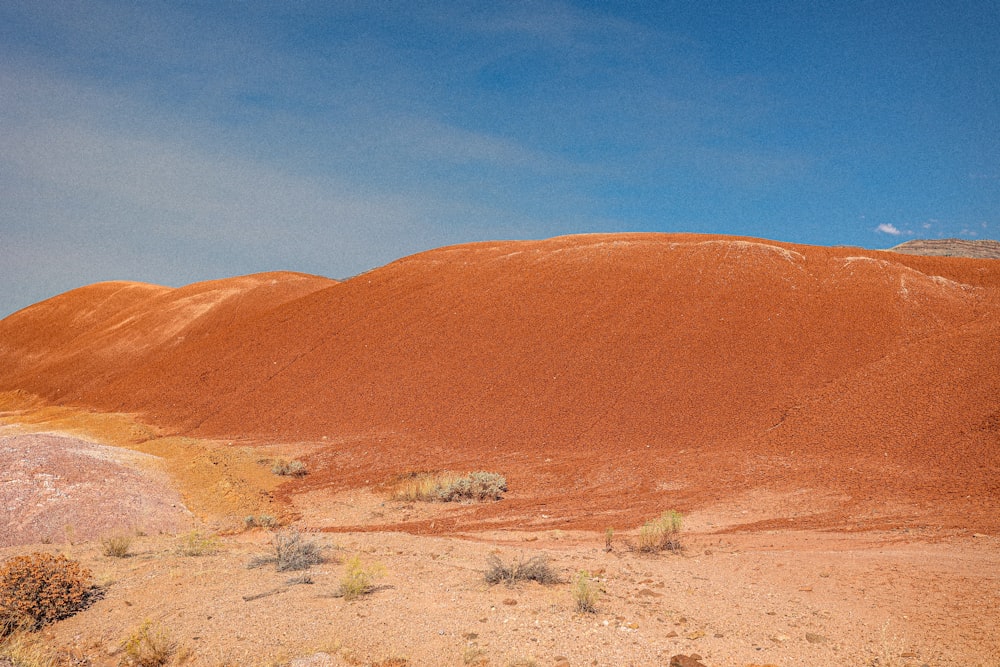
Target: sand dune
607,376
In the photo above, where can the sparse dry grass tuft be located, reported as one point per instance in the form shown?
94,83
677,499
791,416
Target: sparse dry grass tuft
196,543
25,649
585,593
422,486
535,568
291,552
392,662
475,656
358,579
661,534
450,487
149,645
117,546
289,468
266,521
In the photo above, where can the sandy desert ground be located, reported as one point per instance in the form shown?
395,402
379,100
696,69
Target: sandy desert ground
732,596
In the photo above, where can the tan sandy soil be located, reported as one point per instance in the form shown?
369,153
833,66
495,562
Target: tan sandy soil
785,598
733,596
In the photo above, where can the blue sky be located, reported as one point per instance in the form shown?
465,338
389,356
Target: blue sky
171,142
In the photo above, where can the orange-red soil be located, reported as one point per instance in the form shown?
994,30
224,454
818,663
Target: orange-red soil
607,376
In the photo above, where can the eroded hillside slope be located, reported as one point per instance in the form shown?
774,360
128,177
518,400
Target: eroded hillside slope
607,376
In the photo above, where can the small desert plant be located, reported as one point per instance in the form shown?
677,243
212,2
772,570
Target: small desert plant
535,568
148,646
392,662
25,649
476,486
585,593
660,534
291,552
358,580
41,588
288,468
451,487
262,520
116,546
196,543
475,656
420,486
609,535
294,553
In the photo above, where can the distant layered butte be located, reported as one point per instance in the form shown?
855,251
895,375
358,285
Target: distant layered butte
608,376
983,249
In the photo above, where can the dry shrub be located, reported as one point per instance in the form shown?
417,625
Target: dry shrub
421,486
358,580
661,534
288,468
148,646
196,543
291,552
294,553
475,656
25,649
267,521
117,546
451,487
585,593
535,568
476,486
40,588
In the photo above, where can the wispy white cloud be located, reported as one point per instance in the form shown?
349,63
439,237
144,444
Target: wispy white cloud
91,192
887,228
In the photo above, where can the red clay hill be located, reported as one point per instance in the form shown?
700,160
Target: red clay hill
607,376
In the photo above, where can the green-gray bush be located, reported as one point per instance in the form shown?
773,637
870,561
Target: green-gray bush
478,486
291,468
535,568
291,552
